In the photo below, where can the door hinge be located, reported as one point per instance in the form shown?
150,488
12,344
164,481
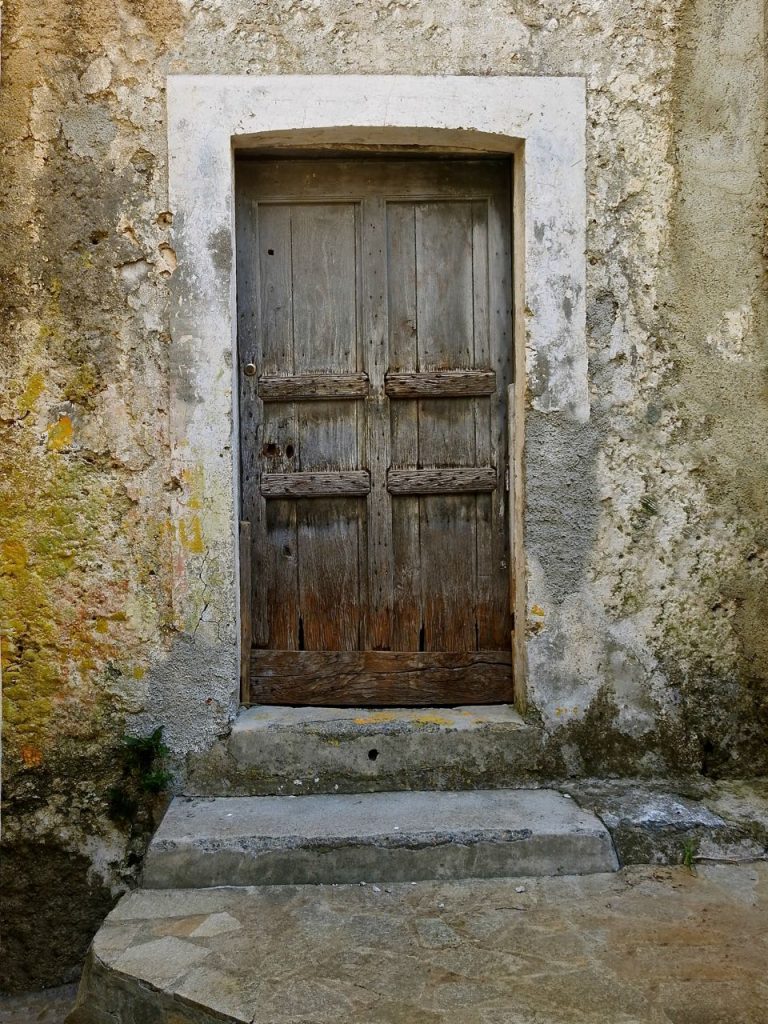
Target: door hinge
506,479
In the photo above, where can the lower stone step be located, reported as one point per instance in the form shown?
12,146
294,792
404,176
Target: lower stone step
394,837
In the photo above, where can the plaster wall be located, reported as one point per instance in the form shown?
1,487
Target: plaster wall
646,532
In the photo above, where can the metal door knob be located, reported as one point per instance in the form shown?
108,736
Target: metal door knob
249,369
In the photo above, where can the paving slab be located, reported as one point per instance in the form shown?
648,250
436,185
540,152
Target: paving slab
374,836
640,946
282,750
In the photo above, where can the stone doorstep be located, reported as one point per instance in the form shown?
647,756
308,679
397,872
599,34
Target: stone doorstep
388,837
283,750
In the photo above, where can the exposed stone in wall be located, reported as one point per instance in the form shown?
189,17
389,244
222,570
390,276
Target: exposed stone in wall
648,584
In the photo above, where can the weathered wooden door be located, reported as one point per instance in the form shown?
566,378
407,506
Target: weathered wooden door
374,303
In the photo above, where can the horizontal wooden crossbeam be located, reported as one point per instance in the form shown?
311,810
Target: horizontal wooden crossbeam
349,483
441,481
441,384
389,678
313,387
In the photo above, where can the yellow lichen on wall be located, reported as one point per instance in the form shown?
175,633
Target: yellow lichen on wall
191,535
61,622
60,433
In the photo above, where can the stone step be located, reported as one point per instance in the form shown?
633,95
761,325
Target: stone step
273,750
387,837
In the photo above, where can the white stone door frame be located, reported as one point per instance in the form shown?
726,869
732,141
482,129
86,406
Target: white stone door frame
541,121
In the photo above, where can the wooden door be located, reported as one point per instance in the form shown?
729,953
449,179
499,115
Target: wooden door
374,304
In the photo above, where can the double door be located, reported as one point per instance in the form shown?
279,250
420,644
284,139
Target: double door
375,349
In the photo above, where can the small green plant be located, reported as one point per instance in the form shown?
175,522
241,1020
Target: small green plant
689,853
145,757
144,775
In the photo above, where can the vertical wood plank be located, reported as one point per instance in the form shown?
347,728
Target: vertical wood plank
324,296
253,508
447,528
403,356
326,339
246,608
282,565
502,354
328,574
486,454
493,511
275,448
375,349
361,419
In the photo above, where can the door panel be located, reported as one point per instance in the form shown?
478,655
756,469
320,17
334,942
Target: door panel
329,576
324,280
374,306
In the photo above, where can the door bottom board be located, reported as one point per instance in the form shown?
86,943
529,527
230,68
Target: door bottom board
380,678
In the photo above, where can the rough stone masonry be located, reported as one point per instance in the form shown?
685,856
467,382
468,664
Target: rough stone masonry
647,629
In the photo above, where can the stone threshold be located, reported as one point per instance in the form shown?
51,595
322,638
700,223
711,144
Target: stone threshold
293,751
258,717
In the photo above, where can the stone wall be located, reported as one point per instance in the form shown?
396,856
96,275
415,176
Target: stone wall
648,645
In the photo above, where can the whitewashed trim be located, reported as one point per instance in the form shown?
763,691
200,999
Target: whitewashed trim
541,119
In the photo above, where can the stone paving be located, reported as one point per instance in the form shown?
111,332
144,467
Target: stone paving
642,946
50,1006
